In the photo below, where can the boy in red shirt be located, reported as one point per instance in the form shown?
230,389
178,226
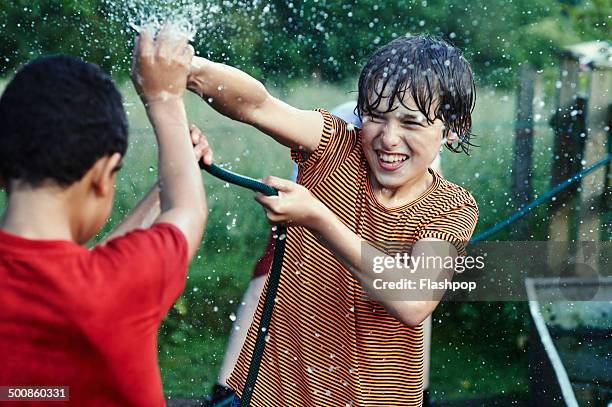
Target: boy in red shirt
88,318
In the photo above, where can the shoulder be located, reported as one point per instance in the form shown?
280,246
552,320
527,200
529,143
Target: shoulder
336,126
143,245
451,214
144,269
338,141
157,233
449,196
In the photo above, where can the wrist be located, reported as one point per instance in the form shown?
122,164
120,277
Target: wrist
319,216
166,105
169,111
161,99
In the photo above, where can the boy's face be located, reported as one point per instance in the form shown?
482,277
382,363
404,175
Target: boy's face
400,145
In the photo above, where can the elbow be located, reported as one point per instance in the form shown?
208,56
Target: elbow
197,217
412,322
261,96
200,216
195,230
253,112
413,315
203,220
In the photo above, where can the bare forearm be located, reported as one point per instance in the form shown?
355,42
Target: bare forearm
348,248
241,97
141,216
181,188
159,72
228,90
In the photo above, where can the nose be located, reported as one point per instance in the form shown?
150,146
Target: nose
391,137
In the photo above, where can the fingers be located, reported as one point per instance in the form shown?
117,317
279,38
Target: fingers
135,51
207,156
269,204
187,54
264,200
143,48
161,64
203,151
201,148
170,42
195,134
145,43
279,183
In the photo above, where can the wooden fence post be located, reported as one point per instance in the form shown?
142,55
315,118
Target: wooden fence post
523,148
560,209
593,187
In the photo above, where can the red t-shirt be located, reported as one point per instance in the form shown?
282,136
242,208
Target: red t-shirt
88,319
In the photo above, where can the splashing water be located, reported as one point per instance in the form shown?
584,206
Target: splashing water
186,17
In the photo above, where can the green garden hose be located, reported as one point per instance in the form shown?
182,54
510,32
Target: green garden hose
273,279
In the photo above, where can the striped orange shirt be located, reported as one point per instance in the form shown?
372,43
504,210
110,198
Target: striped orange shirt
328,344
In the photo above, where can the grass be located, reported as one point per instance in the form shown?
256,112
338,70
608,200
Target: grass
459,371
193,336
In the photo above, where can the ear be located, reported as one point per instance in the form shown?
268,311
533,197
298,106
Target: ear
450,136
103,174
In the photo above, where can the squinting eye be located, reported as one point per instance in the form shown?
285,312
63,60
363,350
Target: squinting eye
412,123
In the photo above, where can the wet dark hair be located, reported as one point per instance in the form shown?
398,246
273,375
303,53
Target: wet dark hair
434,73
59,115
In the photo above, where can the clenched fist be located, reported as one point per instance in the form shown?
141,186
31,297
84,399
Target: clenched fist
160,65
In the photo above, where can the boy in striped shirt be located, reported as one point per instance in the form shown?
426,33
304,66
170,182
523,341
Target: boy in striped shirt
335,338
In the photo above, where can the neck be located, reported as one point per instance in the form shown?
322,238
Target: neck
405,194
39,214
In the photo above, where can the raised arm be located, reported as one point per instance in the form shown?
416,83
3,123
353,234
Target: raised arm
159,74
146,211
241,97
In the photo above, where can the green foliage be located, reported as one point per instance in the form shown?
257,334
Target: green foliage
333,39
325,39
80,28
590,18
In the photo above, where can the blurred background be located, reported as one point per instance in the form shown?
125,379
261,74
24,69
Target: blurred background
309,53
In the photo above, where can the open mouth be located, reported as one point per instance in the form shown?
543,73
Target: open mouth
391,161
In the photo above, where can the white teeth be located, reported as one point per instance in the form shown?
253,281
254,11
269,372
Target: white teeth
391,158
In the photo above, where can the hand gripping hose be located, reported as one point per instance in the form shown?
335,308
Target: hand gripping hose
273,279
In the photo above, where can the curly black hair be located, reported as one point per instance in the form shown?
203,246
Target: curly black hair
59,115
434,73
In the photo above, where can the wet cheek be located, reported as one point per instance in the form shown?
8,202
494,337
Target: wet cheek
366,139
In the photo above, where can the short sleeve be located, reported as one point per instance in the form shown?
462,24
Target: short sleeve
337,140
146,268
455,225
